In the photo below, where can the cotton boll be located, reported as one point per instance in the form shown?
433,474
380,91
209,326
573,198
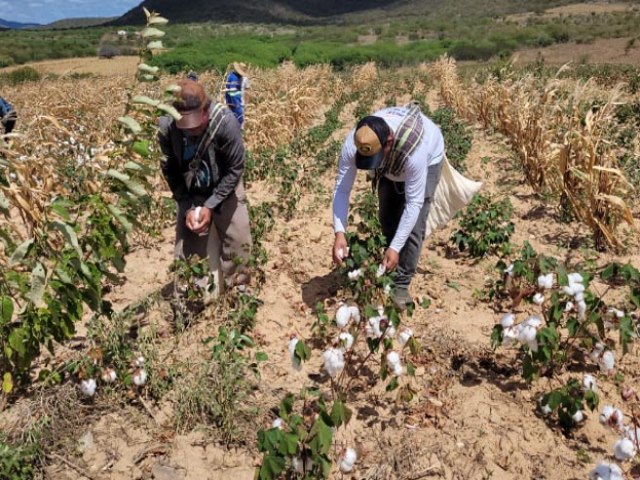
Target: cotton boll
527,333
533,321
582,309
546,410
607,362
109,375
612,417
346,340
578,416
404,336
354,311
596,353
507,320
509,270
278,423
333,361
354,274
139,362
373,329
568,307
393,359
569,290
509,336
295,361
140,377
588,383
343,315
533,345
606,471
624,449
88,387
348,460
387,289
631,433
341,253
617,313
546,281
380,271
538,299
575,278
390,331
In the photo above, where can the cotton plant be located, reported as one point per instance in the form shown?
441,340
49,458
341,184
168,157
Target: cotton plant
567,404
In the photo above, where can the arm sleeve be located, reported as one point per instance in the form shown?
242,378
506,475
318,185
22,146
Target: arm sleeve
229,145
344,183
170,164
414,191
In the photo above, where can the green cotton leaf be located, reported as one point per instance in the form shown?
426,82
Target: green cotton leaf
155,45
286,406
69,234
151,32
157,20
142,148
133,166
626,333
134,187
17,341
170,110
120,217
7,383
143,99
271,467
38,284
6,310
60,207
261,357
592,400
302,352
143,67
392,385
496,336
4,204
288,444
131,124
20,253
340,413
322,436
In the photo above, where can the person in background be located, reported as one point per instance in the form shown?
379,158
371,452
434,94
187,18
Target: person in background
203,165
404,150
236,85
8,115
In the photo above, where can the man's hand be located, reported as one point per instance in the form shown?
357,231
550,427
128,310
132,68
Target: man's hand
391,259
198,220
340,249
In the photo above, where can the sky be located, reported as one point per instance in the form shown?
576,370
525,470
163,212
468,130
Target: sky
47,11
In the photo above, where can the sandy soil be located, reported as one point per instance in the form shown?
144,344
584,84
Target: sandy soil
608,50
118,66
586,8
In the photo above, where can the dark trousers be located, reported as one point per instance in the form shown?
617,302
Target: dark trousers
392,201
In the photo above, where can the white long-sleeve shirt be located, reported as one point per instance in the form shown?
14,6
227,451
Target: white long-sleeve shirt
429,152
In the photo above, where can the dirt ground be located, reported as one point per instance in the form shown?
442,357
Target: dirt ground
601,51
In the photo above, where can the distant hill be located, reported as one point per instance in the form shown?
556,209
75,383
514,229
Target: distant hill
255,11
327,11
78,22
15,25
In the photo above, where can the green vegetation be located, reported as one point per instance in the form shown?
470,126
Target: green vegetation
407,38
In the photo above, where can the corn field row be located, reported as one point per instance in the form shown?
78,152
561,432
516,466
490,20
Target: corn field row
562,132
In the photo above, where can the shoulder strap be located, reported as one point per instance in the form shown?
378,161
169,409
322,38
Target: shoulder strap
215,120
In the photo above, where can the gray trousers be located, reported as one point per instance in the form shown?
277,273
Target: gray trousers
391,202
231,222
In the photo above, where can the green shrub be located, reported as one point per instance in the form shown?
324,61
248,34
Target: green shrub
21,75
485,227
457,137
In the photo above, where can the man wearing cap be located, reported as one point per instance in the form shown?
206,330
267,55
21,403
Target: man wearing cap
403,150
203,165
234,94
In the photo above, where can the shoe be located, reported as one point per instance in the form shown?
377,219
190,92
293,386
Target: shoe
401,297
